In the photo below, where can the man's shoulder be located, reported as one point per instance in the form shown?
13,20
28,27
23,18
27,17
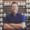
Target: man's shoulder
9,14
20,14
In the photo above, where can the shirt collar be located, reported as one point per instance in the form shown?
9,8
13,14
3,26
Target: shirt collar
16,14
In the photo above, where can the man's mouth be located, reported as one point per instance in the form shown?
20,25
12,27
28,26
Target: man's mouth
14,9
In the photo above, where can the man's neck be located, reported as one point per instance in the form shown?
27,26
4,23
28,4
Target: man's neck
14,14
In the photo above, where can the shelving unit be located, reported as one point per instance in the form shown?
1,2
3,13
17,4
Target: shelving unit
28,11
22,8
1,14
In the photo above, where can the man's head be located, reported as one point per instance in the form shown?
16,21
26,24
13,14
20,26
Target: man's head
14,7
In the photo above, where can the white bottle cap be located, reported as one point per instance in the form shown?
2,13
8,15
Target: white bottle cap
18,3
22,13
4,3
4,13
25,13
8,2
1,9
0,27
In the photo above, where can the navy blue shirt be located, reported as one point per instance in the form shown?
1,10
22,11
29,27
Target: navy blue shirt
10,18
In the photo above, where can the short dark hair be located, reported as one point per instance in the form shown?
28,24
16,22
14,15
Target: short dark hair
14,3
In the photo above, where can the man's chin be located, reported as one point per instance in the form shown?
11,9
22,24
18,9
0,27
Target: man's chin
14,12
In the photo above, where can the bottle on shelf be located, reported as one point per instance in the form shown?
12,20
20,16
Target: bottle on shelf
1,23
25,15
7,3
1,1
0,28
22,13
1,6
1,10
1,19
10,3
27,1
4,14
29,15
27,10
23,3
27,6
1,15
18,3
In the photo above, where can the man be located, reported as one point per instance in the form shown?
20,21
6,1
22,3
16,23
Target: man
15,20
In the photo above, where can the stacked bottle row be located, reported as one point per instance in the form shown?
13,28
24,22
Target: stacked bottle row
27,1
27,10
27,5
19,3
26,14
1,14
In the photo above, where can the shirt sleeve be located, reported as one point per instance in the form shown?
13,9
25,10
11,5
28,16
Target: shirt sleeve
22,18
6,20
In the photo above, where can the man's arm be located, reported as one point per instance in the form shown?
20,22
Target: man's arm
18,26
7,26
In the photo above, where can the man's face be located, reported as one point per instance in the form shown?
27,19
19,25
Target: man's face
14,8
